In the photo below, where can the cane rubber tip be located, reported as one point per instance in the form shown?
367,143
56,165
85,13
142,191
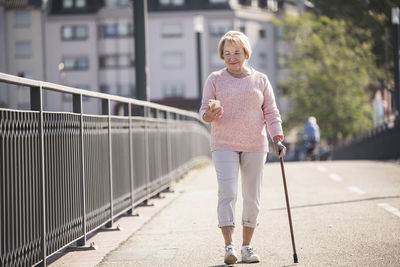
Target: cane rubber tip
295,258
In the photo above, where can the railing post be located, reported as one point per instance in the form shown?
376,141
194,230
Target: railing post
146,148
158,147
106,111
169,150
128,110
37,105
78,108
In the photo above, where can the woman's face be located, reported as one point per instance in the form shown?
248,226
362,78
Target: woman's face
234,57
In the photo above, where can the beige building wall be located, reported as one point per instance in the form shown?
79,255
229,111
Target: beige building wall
3,63
58,51
24,51
121,46
31,64
164,74
172,51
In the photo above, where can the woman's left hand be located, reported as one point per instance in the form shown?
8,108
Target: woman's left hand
280,149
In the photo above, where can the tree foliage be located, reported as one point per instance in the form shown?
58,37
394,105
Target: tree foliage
328,72
372,16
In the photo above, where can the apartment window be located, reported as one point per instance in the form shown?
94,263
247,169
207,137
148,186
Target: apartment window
216,60
262,3
25,75
173,89
172,30
220,27
218,1
116,61
262,58
80,3
123,29
118,89
245,2
117,3
107,62
172,2
66,33
105,88
172,60
68,3
111,3
124,2
272,5
74,3
126,89
22,18
110,30
116,30
77,32
262,33
23,49
76,63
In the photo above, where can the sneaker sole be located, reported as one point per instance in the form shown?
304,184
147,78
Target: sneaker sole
250,261
230,259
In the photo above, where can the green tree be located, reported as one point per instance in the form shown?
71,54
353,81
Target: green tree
328,72
372,16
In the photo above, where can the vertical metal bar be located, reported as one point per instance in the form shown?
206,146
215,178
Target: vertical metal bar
78,108
199,73
169,151
157,147
129,107
146,148
106,111
110,223
37,105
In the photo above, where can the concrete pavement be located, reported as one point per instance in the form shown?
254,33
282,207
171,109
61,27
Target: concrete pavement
345,213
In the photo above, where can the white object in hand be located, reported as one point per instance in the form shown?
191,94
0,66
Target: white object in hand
216,103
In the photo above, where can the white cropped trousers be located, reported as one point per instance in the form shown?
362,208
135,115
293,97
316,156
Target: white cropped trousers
227,165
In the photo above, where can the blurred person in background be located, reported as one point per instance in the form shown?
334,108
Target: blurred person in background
238,137
311,138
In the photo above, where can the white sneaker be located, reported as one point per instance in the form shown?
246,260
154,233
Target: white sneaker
230,255
248,255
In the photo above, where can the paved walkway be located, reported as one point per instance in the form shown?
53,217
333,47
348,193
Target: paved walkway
344,214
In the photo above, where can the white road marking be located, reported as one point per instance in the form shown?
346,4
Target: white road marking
322,168
356,190
389,208
335,177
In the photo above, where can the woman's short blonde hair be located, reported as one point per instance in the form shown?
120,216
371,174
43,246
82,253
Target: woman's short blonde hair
235,38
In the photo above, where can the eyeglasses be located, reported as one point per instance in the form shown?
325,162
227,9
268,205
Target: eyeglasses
235,55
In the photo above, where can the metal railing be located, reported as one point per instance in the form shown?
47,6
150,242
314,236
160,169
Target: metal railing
64,175
381,143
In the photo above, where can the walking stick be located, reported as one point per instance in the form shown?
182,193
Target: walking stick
288,211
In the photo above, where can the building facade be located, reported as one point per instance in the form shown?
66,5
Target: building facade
21,48
89,44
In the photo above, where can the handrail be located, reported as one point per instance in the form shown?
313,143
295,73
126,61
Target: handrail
71,90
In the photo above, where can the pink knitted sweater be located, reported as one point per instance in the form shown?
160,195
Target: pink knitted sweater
247,102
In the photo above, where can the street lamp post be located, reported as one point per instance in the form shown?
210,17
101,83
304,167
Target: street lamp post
198,28
140,32
395,22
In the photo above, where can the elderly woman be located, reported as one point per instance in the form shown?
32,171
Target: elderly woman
238,137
